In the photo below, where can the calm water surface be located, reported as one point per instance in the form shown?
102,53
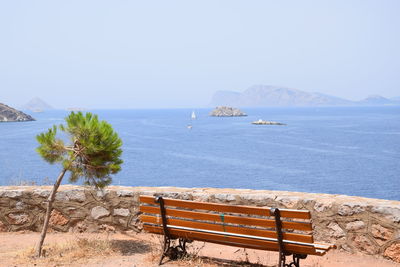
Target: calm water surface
352,151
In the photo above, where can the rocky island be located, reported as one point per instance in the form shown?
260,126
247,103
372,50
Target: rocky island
8,114
262,122
223,111
36,105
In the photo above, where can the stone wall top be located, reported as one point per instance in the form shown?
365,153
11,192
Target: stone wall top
10,191
341,205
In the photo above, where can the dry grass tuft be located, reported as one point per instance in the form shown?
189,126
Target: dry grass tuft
71,251
80,250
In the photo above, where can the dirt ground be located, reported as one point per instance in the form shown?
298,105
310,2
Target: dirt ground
143,250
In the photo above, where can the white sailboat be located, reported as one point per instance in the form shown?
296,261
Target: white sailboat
193,117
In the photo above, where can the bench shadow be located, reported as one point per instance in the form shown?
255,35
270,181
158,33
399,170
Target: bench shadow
130,247
232,263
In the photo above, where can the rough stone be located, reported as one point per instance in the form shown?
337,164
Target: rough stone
381,232
288,201
41,192
122,222
337,231
99,212
102,193
71,195
125,193
56,218
391,212
20,205
11,193
18,218
364,244
393,252
307,201
258,199
76,195
122,212
225,197
348,209
200,197
4,202
322,205
187,196
62,196
354,226
76,212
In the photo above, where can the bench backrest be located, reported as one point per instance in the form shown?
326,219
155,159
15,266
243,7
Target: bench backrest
242,226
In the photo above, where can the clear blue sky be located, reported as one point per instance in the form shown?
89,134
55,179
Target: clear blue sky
166,53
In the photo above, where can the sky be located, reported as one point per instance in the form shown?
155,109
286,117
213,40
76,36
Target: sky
177,53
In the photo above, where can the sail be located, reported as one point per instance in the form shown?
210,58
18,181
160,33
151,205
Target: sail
193,115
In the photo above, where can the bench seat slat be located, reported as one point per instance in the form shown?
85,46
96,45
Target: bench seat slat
320,252
237,235
302,226
295,214
228,228
232,240
324,246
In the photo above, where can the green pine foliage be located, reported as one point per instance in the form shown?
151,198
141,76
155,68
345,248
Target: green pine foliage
91,149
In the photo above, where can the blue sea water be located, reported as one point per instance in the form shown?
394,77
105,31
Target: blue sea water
352,150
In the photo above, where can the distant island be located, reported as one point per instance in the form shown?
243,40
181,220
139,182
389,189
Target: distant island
9,114
36,105
224,111
275,96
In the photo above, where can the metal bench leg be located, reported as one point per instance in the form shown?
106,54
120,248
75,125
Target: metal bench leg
278,228
296,260
167,239
294,263
166,248
282,259
282,253
171,252
182,246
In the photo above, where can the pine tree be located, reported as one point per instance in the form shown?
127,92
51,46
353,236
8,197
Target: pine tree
92,152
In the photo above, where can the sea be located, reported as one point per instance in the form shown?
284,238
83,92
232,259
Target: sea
337,150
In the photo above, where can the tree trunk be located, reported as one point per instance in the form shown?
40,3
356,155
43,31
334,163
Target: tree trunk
50,201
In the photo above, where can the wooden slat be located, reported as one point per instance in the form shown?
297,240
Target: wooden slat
233,241
325,246
227,218
295,214
322,247
227,228
320,252
155,230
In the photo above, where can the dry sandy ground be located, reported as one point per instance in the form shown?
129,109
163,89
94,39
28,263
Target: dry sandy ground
142,250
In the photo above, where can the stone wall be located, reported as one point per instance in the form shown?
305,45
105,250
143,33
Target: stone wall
354,224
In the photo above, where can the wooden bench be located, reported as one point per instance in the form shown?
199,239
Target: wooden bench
287,231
